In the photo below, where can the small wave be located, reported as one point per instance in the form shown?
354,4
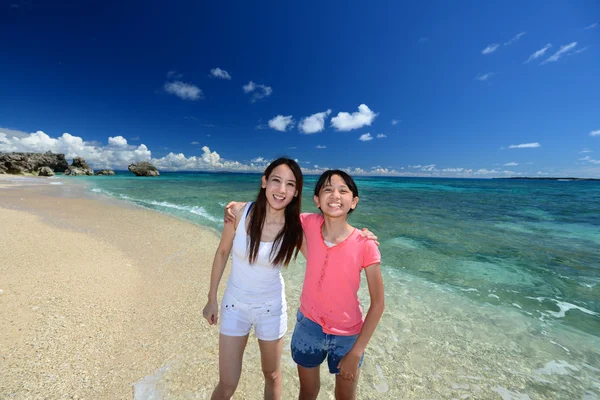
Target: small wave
197,210
101,191
147,387
564,307
56,183
554,367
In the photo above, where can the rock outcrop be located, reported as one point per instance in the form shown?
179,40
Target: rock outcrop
143,169
46,171
79,167
104,172
31,163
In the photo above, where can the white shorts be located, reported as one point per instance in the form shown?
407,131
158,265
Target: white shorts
269,319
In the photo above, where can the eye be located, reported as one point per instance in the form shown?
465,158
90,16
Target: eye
327,190
275,179
291,184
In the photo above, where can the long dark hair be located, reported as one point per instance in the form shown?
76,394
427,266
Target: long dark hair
290,237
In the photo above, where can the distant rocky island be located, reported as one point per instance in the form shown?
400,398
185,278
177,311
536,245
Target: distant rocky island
550,179
48,164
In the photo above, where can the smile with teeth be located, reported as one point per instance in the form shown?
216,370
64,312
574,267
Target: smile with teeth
334,205
279,197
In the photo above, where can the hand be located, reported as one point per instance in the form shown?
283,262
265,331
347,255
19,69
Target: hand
366,233
349,366
211,312
229,216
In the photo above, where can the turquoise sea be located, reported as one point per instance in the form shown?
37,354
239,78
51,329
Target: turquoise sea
492,286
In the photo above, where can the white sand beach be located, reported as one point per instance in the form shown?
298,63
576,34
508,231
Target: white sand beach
96,295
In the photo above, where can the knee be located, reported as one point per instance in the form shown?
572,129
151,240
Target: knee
226,389
272,375
309,392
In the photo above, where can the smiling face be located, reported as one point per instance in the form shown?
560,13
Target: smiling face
280,187
335,199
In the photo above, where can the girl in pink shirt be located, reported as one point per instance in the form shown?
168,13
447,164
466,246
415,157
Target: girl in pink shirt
330,323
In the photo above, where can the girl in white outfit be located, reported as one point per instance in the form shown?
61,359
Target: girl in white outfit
266,235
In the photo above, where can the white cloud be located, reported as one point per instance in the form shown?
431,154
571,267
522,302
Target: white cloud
281,123
395,122
585,151
538,53
249,87
347,122
174,75
195,143
119,157
220,73
314,123
453,169
515,38
590,160
563,49
592,26
595,133
135,138
185,91
524,146
13,133
511,164
381,136
258,91
118,141
578,51
320,146
484,77
490,49
116,154
365,137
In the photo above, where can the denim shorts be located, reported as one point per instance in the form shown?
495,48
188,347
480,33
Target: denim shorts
310,345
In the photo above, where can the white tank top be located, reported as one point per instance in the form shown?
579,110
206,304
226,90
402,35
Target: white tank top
260,282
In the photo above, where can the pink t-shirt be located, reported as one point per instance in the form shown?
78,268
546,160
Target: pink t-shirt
330,291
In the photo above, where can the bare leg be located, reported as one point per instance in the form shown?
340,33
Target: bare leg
310,382
270,358
346,389
231,354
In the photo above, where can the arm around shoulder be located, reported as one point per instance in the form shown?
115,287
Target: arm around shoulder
233,211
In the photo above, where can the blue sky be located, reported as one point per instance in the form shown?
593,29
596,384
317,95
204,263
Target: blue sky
433,88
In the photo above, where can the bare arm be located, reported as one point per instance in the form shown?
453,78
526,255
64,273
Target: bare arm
211,310
376,292
303,249
233,210
349,364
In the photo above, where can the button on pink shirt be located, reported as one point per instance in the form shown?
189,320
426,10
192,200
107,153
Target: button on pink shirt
330,291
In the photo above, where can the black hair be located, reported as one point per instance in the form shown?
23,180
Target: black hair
289,239
325,179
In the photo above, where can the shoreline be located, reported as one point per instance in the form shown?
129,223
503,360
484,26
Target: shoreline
98,294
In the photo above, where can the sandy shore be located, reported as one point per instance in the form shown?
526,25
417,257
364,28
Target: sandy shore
98,295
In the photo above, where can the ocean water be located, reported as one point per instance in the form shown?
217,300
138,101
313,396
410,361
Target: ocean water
492,286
